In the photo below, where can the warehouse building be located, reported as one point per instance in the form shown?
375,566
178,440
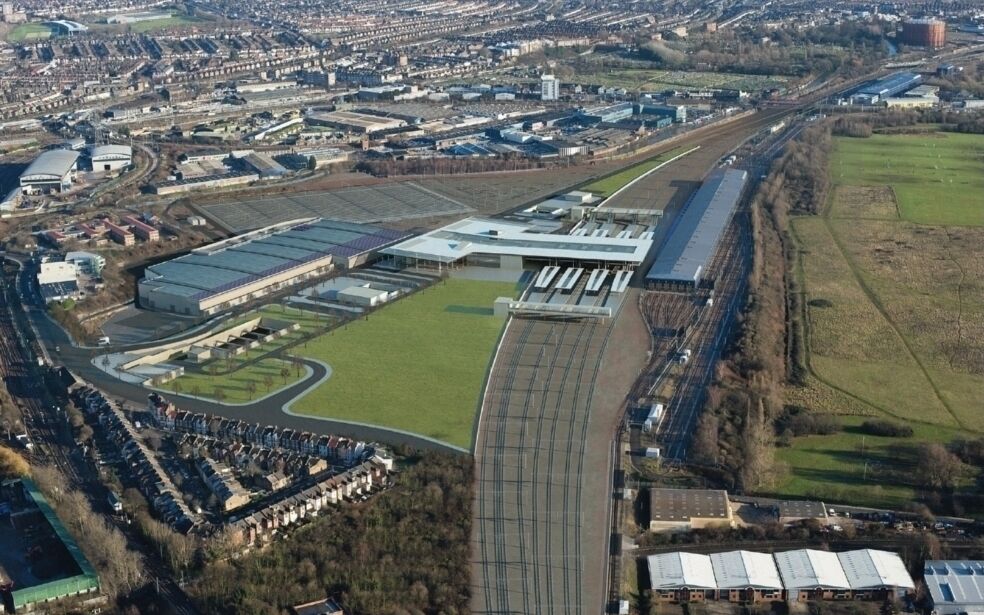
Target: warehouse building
58,281
747,577
956,586
352,121
682,510
110,157
217,277
877,91
694,237
504,244
52,171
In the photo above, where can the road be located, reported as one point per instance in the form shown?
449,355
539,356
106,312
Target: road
48,428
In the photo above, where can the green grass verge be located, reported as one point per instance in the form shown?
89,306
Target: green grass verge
607,186
28,31
938,177
832,468
417,365
233,384
167,22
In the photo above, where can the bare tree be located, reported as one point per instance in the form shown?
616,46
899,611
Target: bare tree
251,388
284,372
219,394
267,381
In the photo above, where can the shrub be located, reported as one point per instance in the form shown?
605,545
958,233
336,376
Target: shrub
821,303
886,429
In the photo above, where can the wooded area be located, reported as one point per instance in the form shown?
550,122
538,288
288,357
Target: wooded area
404,552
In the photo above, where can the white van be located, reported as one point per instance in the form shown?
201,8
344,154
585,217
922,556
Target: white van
104,340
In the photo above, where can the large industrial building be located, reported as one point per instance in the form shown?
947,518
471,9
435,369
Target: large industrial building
515,245
876,91
110,157
217,277
923,33
690,246
683,510
52,171
796,576
956,586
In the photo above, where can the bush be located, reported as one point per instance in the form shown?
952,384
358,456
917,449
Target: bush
886,429
821,303
797,421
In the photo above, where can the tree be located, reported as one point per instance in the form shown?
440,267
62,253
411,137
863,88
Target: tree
939,468
267,381
251,388
11,464
284,372
219,394
196,390
298,364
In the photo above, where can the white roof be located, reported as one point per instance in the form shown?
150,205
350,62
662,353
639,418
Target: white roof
679,569
955,582
52,163
114,151
808,568
740,569
868,568
486,236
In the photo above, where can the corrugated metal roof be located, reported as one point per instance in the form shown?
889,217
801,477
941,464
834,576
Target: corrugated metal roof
868,568
55,162
98,151
679,569
740,569
957,584
808,569
694,236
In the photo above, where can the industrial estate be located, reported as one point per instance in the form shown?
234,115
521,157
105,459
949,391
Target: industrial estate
494,307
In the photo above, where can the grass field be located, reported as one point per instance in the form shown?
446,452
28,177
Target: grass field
233,384
28,31
894,308
938,178
417,365
159,24
654,79
833,468
608,186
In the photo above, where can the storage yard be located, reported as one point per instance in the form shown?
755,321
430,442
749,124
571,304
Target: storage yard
364,204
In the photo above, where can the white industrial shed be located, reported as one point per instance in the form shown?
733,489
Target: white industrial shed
956,586
809,574
110,157
691,573
746,569
869,570
52,171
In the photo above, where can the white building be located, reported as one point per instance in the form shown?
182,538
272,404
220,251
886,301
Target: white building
110,157
808,574
687,577
956,586
549,87
86,262
746,576
876,573
52,171
58,280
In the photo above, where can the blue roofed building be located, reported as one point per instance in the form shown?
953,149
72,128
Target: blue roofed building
876,91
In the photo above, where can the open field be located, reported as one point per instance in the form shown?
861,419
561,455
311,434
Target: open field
833,468
159,24
608,186
233,384
28,31
417,365
938,178
894,315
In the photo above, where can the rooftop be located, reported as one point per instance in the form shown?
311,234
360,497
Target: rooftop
683,504
957,582
698,228
740,569
679,569
55,163
868,568
456,241
809,568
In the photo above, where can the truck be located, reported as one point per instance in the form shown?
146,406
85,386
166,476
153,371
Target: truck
654,417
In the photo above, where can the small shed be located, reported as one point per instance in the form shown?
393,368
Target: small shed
362,296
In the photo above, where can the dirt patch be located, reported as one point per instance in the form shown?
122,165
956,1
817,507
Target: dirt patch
864,202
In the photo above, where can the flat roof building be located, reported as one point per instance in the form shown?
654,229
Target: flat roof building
694,236
878,573
513,245
682,577
746,576
808,574
876,91
353,121
956,586
687,509
52,171
217,277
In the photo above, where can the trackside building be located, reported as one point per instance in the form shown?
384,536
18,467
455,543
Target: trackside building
220,276
806,574
52,171
683,260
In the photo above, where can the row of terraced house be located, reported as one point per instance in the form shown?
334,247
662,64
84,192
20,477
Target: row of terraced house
354,484
335,449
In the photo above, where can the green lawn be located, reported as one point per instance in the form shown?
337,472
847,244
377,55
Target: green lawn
27,31
233,384
417,365
832,468
607,186
938,178
167,22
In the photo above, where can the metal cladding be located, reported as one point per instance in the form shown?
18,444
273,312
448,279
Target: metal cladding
697,230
